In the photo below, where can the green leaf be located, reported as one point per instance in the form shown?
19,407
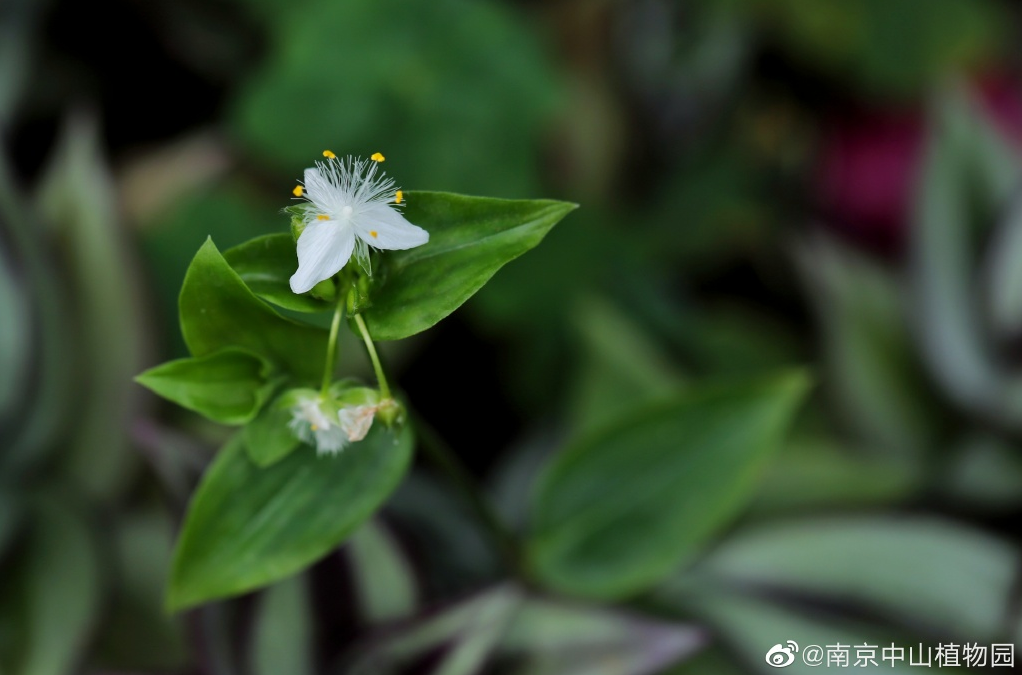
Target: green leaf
266,264
752,627
247,527
470,629
874,370
813,473
282,640
440,84
229,211
44,628
229,386
78,195
967,178
470,238
557,638
138,635
624,369
923,571
268,439
218,310
886,47
1003,275
384,579
621,509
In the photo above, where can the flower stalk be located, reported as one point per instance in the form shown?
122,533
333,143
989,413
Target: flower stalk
331,347
381,378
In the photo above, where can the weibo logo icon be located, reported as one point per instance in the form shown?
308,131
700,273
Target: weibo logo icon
781,656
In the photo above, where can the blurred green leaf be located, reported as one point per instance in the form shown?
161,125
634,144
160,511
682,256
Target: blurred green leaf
454,549
967,177
218,310
985,471
886,46
470,238
15,335
875,374
714,660
268,438
555,638
11,513
138,634
619,510
229,386
622,370
41,413
443,77
282,636
923,571
247,527
815,473
752,627
470,653
471,628
384,579
77,195
48,611
266,264
17,33
1004,276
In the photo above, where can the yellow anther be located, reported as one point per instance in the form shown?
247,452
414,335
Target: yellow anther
377,157
328,154
297,192
373,233
399,197
322,217
315,428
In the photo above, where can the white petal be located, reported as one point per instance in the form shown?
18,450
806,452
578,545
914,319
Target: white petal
319,191
323,249
356,420
381,226
330,441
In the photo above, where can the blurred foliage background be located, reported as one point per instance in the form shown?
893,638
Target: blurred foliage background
764,183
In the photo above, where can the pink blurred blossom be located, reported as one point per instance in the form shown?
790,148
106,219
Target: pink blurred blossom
870,158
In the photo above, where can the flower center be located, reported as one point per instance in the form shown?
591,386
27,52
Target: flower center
346,213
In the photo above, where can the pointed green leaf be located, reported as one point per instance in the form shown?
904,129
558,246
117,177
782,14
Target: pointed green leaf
218,310
266,264
470,238
229,386
247,527
618,511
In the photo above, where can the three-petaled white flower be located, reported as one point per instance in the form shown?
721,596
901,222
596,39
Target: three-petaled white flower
351,206
318,422
315,422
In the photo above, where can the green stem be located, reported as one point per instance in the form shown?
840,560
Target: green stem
331,347
381,379
448,462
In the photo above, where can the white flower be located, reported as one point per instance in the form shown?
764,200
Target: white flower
312,423
355,420
351,206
